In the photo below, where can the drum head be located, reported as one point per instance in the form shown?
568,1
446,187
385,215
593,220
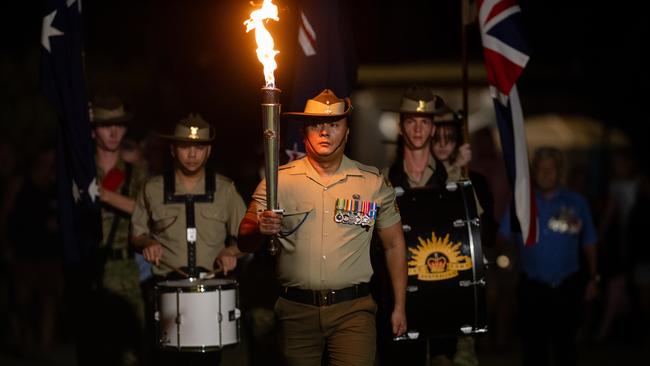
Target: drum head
444,260
195,284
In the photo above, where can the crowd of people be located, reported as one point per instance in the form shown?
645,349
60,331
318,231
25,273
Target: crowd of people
338,290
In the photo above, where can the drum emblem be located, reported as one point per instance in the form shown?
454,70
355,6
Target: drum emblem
436,259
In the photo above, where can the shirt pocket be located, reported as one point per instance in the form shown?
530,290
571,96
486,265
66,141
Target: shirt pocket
163,218
213,225
294,218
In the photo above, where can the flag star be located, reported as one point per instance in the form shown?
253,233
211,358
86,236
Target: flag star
75,192
49,31
294,153
93,190
70,2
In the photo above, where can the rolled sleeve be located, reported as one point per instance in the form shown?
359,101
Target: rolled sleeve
236,211
258,202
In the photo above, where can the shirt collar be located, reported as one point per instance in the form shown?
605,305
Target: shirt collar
347,168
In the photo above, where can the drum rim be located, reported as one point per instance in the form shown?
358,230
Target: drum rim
199,349
197,287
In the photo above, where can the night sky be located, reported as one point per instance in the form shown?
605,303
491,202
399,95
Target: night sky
168,58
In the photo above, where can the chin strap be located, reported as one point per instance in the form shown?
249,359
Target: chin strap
337,147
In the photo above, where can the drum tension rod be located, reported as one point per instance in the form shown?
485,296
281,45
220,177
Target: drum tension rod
461,223
468,283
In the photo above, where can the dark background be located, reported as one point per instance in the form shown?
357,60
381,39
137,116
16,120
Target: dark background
168,58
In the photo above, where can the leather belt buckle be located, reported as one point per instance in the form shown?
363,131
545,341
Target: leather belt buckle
324,297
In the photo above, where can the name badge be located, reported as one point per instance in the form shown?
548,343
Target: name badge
355,212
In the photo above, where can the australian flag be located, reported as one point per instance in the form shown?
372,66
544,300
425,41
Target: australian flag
63,83
506,55
324,58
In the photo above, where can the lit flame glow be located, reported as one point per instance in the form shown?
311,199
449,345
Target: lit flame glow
265,52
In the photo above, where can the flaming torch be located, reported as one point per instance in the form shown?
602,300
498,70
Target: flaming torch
270,103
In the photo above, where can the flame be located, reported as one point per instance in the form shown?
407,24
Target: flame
265,52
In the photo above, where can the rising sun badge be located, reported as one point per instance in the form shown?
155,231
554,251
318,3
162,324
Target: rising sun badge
437,259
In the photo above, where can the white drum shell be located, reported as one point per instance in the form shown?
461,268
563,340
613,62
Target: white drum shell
197,317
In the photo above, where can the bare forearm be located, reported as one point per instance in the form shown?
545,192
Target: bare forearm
233,250
142,241
122,203
250,238
392,239
396,262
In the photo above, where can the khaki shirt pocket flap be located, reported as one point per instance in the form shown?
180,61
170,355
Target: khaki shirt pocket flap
213,213
294,216
299,208
163,218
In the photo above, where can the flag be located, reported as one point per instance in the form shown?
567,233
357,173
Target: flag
506,54
63,84
323,59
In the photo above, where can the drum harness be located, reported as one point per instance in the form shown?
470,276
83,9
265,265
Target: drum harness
170,197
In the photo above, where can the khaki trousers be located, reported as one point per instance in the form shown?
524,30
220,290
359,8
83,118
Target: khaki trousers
346,328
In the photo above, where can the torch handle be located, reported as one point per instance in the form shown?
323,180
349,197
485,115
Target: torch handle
271,135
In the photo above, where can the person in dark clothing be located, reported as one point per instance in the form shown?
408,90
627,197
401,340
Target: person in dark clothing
35,248
552,286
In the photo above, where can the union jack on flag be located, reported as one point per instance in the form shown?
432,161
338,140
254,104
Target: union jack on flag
506,54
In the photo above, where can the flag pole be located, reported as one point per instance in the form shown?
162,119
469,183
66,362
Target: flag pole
465,10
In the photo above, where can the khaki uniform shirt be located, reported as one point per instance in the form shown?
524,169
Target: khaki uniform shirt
138,176
453,175
321,253
215,221
426,175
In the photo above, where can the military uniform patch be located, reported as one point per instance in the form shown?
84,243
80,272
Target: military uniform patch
437,259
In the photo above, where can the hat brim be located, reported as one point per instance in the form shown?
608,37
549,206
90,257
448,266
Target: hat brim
305,117
454,121
122,120
439,112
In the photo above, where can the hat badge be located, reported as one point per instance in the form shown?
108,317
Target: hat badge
328,108
194,133
421,106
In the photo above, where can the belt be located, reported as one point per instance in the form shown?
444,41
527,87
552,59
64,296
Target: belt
118,254
325,297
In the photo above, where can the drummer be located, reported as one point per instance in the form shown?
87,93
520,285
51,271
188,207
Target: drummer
186,220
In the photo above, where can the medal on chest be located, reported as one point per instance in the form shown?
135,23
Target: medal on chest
355,212
565,222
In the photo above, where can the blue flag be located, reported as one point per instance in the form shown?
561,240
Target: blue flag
324,58
63,83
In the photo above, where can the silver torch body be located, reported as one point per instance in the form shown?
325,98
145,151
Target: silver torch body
271,135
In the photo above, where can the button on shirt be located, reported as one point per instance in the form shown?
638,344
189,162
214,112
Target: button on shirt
317,252
565,225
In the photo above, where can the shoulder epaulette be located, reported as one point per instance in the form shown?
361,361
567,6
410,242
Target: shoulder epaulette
367,168
288,166
222,178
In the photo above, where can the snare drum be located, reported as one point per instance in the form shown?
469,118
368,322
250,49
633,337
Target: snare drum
197,315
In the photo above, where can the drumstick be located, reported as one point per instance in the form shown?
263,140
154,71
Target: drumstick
210,275
214,272
177,270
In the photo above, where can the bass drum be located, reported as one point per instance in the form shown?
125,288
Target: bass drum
446,270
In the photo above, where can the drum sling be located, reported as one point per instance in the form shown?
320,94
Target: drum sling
170,197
